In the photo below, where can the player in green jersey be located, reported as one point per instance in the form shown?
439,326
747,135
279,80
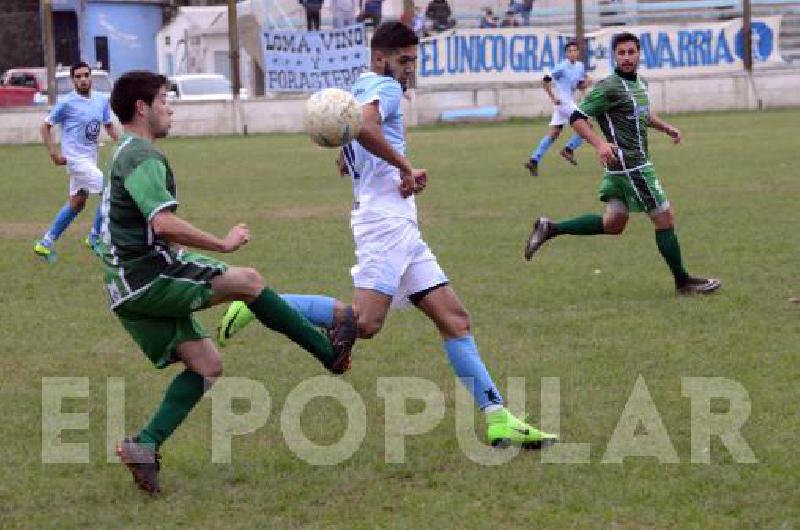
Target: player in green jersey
155,284
621,106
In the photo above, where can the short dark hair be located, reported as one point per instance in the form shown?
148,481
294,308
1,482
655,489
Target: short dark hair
133,86
570,42
392,36
619,38
77,66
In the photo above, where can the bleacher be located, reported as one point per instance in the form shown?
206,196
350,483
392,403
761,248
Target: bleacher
560,14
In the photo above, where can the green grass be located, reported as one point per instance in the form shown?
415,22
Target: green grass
734,185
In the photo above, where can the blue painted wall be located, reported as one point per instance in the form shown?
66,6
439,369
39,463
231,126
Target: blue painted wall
130,28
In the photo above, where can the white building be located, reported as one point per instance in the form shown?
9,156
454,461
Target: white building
196,42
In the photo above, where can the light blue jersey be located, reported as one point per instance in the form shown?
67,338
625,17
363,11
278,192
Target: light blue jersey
81,119
375,181
566,77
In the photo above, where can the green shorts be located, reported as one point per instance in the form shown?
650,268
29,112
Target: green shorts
160,317
639,189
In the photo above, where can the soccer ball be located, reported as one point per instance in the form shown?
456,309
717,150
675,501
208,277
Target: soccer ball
333,117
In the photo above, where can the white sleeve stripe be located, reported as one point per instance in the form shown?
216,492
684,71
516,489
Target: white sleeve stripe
159,208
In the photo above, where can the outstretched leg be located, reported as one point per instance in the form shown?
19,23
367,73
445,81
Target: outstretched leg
443,307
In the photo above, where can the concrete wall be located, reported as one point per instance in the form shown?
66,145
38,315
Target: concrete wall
775,88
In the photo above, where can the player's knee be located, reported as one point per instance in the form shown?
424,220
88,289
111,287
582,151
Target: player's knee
210,368
615,224
460,323
253,282
368,327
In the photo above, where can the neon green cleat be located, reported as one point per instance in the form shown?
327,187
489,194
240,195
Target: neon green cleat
505,430
44,251
233,321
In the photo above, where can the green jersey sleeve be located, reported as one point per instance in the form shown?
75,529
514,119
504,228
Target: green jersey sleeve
147,185
596,101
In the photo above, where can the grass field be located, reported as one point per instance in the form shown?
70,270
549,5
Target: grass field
594,312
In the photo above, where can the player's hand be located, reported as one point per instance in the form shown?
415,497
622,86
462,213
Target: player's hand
607,153
236,238
341,165
673,133
58,159
413,182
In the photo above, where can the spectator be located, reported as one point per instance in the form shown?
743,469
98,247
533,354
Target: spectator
372,10
344,13
439,13
489,19
509,20
418,23
523,9
313,8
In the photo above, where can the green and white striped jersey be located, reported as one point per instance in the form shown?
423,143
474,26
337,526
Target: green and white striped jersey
139,184
622,109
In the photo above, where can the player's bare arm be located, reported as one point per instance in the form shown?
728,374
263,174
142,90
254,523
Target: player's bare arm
57,158
372,139
657,123
181,232
605,150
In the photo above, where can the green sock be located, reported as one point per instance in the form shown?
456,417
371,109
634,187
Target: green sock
589,224
668,245
182,395
275,313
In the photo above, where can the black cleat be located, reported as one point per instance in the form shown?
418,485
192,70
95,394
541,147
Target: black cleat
532,166
343,337
569,155
143,462
543,229
695,285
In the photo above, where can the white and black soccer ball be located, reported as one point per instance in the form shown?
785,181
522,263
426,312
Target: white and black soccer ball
333,117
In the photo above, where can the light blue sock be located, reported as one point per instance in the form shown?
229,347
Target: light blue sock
468,366
97,224
575,142
544,145
63,218
317,309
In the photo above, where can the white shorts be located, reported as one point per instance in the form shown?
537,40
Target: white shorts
393,259
84,175
561,113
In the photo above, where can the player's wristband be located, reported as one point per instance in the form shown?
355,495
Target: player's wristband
547,79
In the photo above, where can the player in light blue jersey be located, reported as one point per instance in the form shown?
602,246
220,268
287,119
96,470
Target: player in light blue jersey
81,115
395,266
569,75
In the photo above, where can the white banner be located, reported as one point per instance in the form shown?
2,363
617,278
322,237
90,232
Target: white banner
520,54
307,61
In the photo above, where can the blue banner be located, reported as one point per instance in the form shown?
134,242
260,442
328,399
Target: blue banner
519,54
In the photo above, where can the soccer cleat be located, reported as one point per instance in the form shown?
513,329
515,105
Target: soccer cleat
695,285
343,337
543,229
532,166
45,251
143,462
569,155
233,321
505,430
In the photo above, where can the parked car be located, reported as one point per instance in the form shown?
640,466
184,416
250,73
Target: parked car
18,86
202,87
